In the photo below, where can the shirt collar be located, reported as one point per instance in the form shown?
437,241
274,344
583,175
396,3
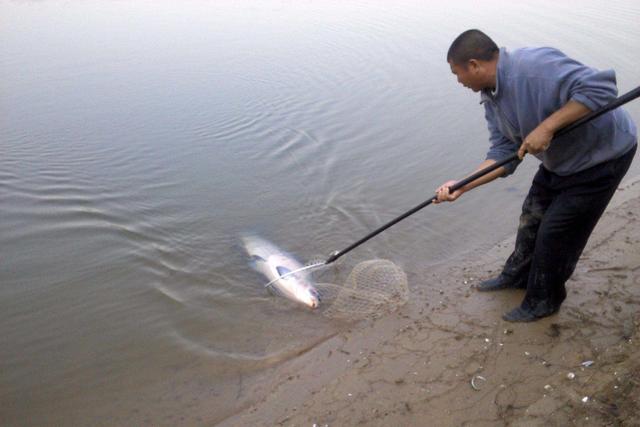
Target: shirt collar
492,95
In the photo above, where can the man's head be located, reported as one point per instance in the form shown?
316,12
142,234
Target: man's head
473,58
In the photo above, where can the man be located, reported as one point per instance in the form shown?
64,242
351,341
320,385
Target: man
528,95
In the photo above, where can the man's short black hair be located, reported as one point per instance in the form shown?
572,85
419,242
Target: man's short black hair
472,44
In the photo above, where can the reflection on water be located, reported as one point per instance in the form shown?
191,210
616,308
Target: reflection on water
139,139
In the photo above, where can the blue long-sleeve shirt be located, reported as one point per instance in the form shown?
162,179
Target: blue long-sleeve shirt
531,84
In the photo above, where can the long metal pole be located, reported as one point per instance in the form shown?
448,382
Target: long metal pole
629,96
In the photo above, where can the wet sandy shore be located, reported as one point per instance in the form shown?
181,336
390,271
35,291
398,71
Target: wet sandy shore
415,367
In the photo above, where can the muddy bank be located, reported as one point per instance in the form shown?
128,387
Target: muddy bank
415,367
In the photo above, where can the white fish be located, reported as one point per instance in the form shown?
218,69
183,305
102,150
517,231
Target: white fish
267,259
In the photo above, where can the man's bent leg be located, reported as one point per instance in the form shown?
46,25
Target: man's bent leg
563,234
516,270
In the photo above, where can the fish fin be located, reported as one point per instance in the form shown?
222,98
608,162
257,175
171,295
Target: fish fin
315,292
273,290
254,260
257,258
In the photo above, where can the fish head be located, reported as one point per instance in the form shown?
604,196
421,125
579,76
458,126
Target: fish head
298,283
308,296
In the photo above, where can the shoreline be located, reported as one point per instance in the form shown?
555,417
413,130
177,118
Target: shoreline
581,365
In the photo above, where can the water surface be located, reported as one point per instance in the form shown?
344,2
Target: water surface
138,139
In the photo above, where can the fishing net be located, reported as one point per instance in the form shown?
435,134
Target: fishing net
373,288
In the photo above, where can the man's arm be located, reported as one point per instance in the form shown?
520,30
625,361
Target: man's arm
540,138
443,194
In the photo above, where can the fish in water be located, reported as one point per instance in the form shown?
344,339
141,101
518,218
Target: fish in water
269,260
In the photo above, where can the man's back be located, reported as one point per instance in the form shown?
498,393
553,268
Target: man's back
532,83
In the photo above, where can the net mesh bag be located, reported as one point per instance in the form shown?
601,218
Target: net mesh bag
373,287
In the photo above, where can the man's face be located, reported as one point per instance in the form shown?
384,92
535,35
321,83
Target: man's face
469,75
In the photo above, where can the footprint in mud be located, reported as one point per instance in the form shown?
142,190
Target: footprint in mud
554,330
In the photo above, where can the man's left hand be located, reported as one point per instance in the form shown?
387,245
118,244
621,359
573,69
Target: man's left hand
536,142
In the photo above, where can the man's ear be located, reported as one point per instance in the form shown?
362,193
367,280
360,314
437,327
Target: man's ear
473,65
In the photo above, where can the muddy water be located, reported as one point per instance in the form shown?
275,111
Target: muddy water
138,139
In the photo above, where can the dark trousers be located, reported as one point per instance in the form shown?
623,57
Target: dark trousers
557,219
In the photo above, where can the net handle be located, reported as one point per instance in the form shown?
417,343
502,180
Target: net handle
629,96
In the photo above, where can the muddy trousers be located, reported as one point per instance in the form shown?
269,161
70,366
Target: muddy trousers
557,219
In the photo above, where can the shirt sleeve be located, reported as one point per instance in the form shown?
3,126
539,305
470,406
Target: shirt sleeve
501,147
578,82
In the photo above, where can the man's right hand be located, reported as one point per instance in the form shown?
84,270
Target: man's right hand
444,195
